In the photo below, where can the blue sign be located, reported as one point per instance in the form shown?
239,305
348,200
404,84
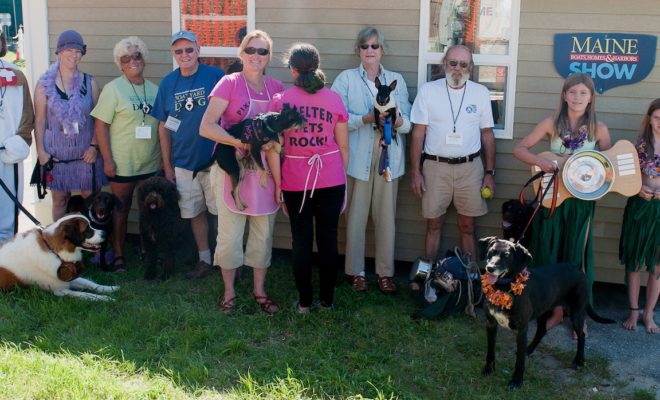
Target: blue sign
612,59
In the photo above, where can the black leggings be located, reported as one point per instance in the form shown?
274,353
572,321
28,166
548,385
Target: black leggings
323,209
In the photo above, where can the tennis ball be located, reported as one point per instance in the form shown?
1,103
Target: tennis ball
486,193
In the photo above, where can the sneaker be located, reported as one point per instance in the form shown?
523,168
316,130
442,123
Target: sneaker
202,269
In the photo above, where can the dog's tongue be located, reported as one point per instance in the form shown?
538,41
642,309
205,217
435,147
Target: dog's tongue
491,279
506,224
152,206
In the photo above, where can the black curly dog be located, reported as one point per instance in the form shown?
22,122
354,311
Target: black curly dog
98,208
160,225
258,132
547,287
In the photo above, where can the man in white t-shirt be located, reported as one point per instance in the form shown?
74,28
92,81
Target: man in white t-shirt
453,130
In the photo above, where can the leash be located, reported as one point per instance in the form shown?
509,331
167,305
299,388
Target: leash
384,161
19,205
539,196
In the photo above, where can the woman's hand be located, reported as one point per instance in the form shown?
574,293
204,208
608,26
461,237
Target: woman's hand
279,197
368,118
90,155
43,157
546,165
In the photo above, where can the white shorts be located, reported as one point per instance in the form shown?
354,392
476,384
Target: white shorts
196,195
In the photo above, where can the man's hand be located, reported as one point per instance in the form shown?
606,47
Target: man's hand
418,185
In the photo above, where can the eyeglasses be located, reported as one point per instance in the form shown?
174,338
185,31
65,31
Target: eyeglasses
454,63
252,50
374,46
188,50
137,56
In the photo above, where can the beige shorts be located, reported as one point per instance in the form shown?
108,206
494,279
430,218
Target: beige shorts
196,195
229,252
460,183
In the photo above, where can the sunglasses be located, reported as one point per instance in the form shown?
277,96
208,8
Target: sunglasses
454,63
137,56
374,46
188,50
252,50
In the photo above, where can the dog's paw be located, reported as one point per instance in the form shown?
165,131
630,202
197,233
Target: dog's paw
109,289
488,369
577,363
515,384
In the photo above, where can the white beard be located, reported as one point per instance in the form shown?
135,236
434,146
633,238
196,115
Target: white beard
458,83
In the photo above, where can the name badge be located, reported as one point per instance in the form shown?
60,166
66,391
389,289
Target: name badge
455,138
143,132
74,129
172,123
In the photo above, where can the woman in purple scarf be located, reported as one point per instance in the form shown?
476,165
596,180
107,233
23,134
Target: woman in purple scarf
64,130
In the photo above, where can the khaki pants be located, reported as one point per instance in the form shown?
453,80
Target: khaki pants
379,196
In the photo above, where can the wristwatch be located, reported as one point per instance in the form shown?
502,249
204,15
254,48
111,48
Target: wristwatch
490,172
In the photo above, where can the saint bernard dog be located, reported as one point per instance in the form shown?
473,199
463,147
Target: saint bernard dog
51,258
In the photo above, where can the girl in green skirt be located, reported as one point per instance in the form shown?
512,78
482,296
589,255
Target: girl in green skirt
640,234
566,236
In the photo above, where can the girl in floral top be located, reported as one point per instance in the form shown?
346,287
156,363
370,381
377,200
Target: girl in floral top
566,237
640,233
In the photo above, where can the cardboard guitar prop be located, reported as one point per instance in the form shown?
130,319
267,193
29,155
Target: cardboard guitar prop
590,174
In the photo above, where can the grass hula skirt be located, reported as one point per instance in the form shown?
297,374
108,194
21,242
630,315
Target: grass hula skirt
640,235
562,238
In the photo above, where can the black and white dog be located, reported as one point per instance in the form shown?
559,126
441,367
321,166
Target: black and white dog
258,132
99,209
385,103
531,295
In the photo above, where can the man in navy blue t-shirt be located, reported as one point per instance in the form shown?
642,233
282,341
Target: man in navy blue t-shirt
180,104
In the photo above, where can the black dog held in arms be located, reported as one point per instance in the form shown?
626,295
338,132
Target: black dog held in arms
160,225
515,296
98,208
258,132
385,103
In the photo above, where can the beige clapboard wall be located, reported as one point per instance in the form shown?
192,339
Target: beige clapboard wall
332,27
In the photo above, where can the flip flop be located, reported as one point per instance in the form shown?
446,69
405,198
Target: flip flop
118,264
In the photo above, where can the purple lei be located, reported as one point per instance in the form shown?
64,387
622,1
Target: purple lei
649,166
68,111
573,141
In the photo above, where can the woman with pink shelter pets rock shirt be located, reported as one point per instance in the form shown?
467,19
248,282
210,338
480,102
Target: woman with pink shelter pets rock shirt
313,173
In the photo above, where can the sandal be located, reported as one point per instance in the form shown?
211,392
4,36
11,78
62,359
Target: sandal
267,304
227,306
386,285
359,283
118,264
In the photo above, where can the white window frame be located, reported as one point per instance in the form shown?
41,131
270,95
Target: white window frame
212,51
509,60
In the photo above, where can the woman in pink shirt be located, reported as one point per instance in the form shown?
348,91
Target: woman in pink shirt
313,180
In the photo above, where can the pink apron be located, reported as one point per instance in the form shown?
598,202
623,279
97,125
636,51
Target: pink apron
258,200
315,163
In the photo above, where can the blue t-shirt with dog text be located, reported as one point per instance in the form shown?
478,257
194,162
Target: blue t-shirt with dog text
186,98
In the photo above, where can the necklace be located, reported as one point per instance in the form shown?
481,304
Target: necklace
504,300
253,86
451,105
64,88
144,105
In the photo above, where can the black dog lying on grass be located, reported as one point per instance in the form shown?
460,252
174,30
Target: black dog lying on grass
515,296
160,225
258,132
98,208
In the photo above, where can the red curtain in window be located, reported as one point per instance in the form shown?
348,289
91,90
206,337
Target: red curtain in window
201,17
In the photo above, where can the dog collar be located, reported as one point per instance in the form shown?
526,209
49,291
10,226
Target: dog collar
501,299
92,218
68,270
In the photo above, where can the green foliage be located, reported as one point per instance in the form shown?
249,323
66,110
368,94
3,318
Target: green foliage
168,340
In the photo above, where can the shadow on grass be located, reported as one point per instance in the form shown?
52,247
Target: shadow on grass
368,347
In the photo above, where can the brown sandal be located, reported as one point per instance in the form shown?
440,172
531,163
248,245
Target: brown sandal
267,304
227,306
359,283
386,285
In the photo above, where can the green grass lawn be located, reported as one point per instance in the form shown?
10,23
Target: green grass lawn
168,340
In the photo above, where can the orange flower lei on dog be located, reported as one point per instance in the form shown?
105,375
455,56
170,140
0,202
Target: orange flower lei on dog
504,299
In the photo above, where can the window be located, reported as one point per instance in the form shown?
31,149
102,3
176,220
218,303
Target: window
219,25
490,29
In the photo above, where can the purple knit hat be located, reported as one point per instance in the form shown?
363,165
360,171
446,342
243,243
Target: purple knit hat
70,40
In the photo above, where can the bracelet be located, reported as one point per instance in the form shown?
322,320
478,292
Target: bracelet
96,146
